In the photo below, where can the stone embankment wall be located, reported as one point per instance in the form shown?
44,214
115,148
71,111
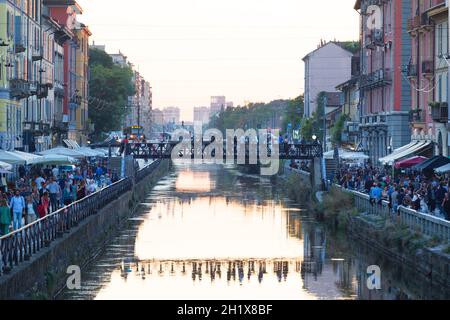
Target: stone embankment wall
46,273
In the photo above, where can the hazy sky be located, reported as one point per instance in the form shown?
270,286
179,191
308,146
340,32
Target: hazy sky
247,50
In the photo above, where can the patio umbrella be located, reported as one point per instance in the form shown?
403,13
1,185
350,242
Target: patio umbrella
63,152
5,166
11,158
411,162
88,152
29,157
55,159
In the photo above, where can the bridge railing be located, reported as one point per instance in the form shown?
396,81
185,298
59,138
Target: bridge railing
417,221
21,244
164,150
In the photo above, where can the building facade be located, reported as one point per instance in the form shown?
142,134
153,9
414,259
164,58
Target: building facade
75,74
201,114
172,115
20,54
81,97
385,95
325,68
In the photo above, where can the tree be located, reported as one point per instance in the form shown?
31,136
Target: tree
337,129
314,125
294,112
109,86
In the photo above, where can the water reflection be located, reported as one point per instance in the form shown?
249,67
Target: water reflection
213,233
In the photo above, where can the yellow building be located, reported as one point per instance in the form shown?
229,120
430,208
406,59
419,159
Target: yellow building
19,30
82,69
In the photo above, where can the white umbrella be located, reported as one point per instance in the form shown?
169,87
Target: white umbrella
29,157
63,152
90,152
11,158
5,166
55,159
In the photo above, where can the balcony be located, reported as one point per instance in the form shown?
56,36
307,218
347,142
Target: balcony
374,39
418,119
60,126
75,102
413,25
419,23
427,68
411,71
19,48
20,89
379,78
439,112
42,91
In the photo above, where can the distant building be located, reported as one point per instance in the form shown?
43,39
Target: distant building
172,115
325,68
201,114
157,117
218,103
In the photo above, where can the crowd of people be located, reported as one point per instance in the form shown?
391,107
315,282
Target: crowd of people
425,192
41,191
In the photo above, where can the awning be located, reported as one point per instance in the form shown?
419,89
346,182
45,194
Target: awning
29,157
5,166
64,152
11,158
433,163
406,151
71,144
88,152
346,155
55,159
443,169
411,162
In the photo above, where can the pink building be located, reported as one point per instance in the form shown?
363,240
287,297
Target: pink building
385,99
427,72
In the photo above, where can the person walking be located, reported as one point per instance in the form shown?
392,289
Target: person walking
53,190
31,210
67,195
446,207
17,205
43,207
5,217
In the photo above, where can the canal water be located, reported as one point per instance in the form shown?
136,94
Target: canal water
211,232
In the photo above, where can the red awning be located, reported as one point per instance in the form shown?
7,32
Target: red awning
411,162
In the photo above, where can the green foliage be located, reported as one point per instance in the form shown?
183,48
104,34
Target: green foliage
294,112
352,46
337,129
314,125
109,86
254,116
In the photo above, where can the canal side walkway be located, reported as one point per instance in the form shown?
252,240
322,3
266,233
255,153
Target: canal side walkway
419,240
37,260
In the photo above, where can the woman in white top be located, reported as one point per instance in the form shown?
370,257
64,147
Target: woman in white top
31,210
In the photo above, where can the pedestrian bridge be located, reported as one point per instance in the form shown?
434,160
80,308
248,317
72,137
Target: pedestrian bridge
164,150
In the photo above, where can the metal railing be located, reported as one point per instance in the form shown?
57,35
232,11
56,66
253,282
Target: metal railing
21,244
426,224
144,172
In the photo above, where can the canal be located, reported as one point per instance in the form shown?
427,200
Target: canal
211,232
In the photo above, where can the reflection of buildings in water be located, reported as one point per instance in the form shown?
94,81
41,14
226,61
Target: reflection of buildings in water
236,270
